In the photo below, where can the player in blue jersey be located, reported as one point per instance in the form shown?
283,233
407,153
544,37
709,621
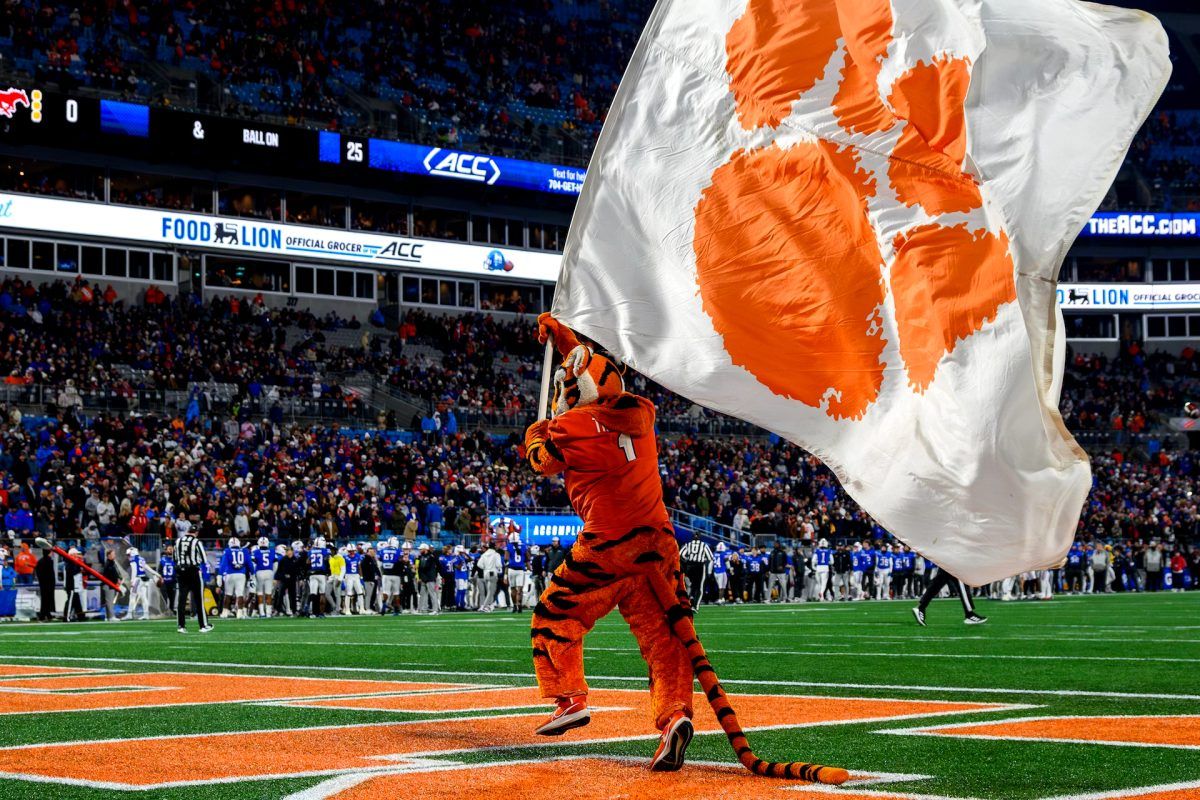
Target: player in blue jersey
232,573
318,577
353,581
721,571
517,563
868,555
822,562
262,563
139,584
167,571
462,576
883,573
389,575
859,563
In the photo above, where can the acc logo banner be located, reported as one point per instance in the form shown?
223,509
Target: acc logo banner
465,166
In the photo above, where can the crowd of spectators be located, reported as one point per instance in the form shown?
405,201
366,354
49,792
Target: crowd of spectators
1165,152
76,338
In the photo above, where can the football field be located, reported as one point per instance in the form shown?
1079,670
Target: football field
1079,697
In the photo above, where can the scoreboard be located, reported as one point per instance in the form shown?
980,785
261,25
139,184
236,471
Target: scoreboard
157,133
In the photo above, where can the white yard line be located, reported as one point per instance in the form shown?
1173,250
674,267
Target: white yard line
623,678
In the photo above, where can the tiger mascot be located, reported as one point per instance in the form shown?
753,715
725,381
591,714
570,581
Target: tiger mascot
602,439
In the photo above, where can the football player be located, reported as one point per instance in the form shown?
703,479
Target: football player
353,581
232,571
139,584
389,554
518,560
318,577
263,561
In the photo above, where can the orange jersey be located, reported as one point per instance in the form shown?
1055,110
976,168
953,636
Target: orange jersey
609,458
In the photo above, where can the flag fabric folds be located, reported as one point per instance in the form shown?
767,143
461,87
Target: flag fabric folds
842,220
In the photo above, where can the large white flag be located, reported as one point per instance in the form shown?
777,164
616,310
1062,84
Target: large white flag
842,220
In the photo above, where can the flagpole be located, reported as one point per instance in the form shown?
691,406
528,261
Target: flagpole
547,367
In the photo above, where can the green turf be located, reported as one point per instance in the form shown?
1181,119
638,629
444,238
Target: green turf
1048,654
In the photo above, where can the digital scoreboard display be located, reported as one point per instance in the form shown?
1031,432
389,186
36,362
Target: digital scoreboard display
35,117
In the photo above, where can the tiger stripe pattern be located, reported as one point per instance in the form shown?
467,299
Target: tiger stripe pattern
639,573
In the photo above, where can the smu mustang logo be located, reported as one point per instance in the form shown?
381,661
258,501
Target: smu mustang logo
464,166
10,99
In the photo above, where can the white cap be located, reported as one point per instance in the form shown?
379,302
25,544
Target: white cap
424,546
297,545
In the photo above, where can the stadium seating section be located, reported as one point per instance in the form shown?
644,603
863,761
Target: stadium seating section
172,401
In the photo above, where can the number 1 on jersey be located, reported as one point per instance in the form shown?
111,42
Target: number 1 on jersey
625,442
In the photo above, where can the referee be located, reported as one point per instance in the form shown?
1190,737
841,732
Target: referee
945,579
697,558
189,555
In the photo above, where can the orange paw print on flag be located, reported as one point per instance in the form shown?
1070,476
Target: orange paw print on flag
789,266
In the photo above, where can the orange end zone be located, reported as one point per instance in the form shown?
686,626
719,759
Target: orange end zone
1169,731
38,695
620,715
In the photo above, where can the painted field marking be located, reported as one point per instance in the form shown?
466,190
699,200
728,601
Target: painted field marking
640,679
1175,731
623,715
607,777
31,671
65,693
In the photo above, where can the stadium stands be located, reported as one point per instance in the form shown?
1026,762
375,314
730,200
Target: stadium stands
79,346
525,77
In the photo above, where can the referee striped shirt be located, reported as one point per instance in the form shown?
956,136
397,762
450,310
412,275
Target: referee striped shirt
189,553
697,550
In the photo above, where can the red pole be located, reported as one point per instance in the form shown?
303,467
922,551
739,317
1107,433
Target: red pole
79,562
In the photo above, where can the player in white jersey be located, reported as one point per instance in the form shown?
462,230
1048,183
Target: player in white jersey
139,584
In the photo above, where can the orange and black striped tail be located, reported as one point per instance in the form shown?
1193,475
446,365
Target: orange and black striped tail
680,617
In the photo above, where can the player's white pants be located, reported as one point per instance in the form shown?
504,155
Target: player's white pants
821,582
139,593
1006,589
856,585
1047,584
722,579
235,586
883,584
389,587
841,582
354,592
264,582
316,585
1089,579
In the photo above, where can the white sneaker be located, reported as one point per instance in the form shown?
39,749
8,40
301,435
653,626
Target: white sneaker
183,630
206,629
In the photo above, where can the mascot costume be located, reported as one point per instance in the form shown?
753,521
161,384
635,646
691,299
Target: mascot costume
601,438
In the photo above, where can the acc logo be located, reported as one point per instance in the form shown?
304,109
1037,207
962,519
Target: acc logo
464,166
10,98
496,262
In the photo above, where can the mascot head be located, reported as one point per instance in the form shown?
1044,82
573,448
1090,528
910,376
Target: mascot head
583,378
